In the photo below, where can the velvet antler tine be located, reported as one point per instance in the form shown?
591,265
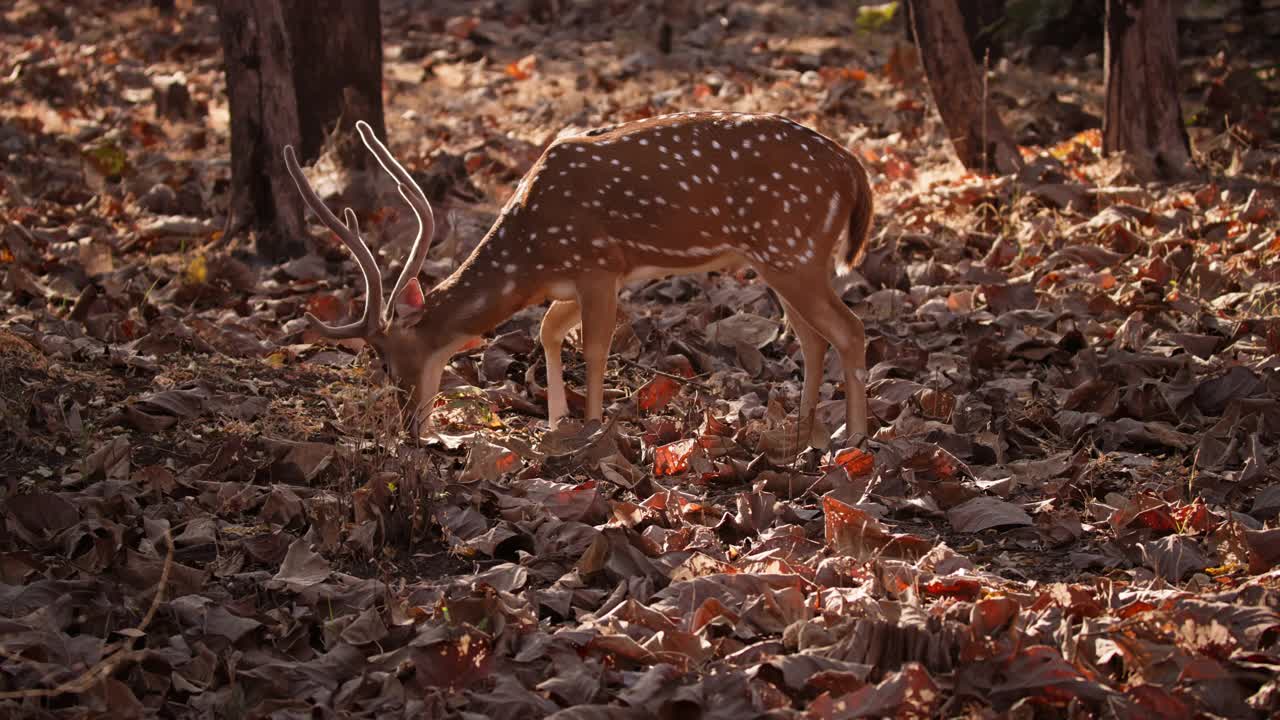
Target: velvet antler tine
349,234
417,201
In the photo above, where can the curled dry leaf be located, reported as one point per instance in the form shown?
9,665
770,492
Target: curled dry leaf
851,531
982,513
746,329
909,692
302,567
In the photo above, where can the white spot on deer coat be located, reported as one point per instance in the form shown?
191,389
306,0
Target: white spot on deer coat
831,214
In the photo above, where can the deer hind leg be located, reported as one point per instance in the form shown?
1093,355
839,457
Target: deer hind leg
561,317
598,298
813,348
817,303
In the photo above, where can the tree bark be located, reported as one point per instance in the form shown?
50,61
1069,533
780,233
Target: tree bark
1143,116
981,140
296,69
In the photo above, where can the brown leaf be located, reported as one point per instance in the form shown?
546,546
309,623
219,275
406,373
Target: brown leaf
600,712
909,692
451,657
110,461
614,551
1213,395
1174,557
851,531
510,700
282,506
1155,701
297,463
161,410
983,512
365,629
1264,549
220,622
751,330
1128,431
268,548
993,614
302,567
1040,671
488,461
40,516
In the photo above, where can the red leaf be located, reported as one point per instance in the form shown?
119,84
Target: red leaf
673,458
325,307
523,68
855,462
854,532
506,462
956,586
709,610
992,613
1159,702
1193,517
657,393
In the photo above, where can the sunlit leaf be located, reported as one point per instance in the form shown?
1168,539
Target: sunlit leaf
656,393
873,17
673,458
197,271
855,462
107,159
523,68
326,307
466,406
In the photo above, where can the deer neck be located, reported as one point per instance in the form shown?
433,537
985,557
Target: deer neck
487,289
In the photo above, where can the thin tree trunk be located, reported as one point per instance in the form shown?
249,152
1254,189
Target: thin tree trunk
295,70
981,140
1143,115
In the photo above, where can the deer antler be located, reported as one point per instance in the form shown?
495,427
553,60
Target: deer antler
349,234
417,200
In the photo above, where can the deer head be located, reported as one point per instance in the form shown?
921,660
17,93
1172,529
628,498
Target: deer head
395,330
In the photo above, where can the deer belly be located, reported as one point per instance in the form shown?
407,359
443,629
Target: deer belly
561,290
643,273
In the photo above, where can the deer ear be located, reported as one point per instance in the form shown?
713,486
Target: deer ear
411,298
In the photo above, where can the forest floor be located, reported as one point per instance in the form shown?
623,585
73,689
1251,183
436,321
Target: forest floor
1068,507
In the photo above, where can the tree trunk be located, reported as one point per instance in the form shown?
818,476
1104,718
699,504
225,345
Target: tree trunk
1143,116
980,139
295,70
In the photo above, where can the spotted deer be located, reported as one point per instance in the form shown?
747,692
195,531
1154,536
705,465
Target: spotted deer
676,194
